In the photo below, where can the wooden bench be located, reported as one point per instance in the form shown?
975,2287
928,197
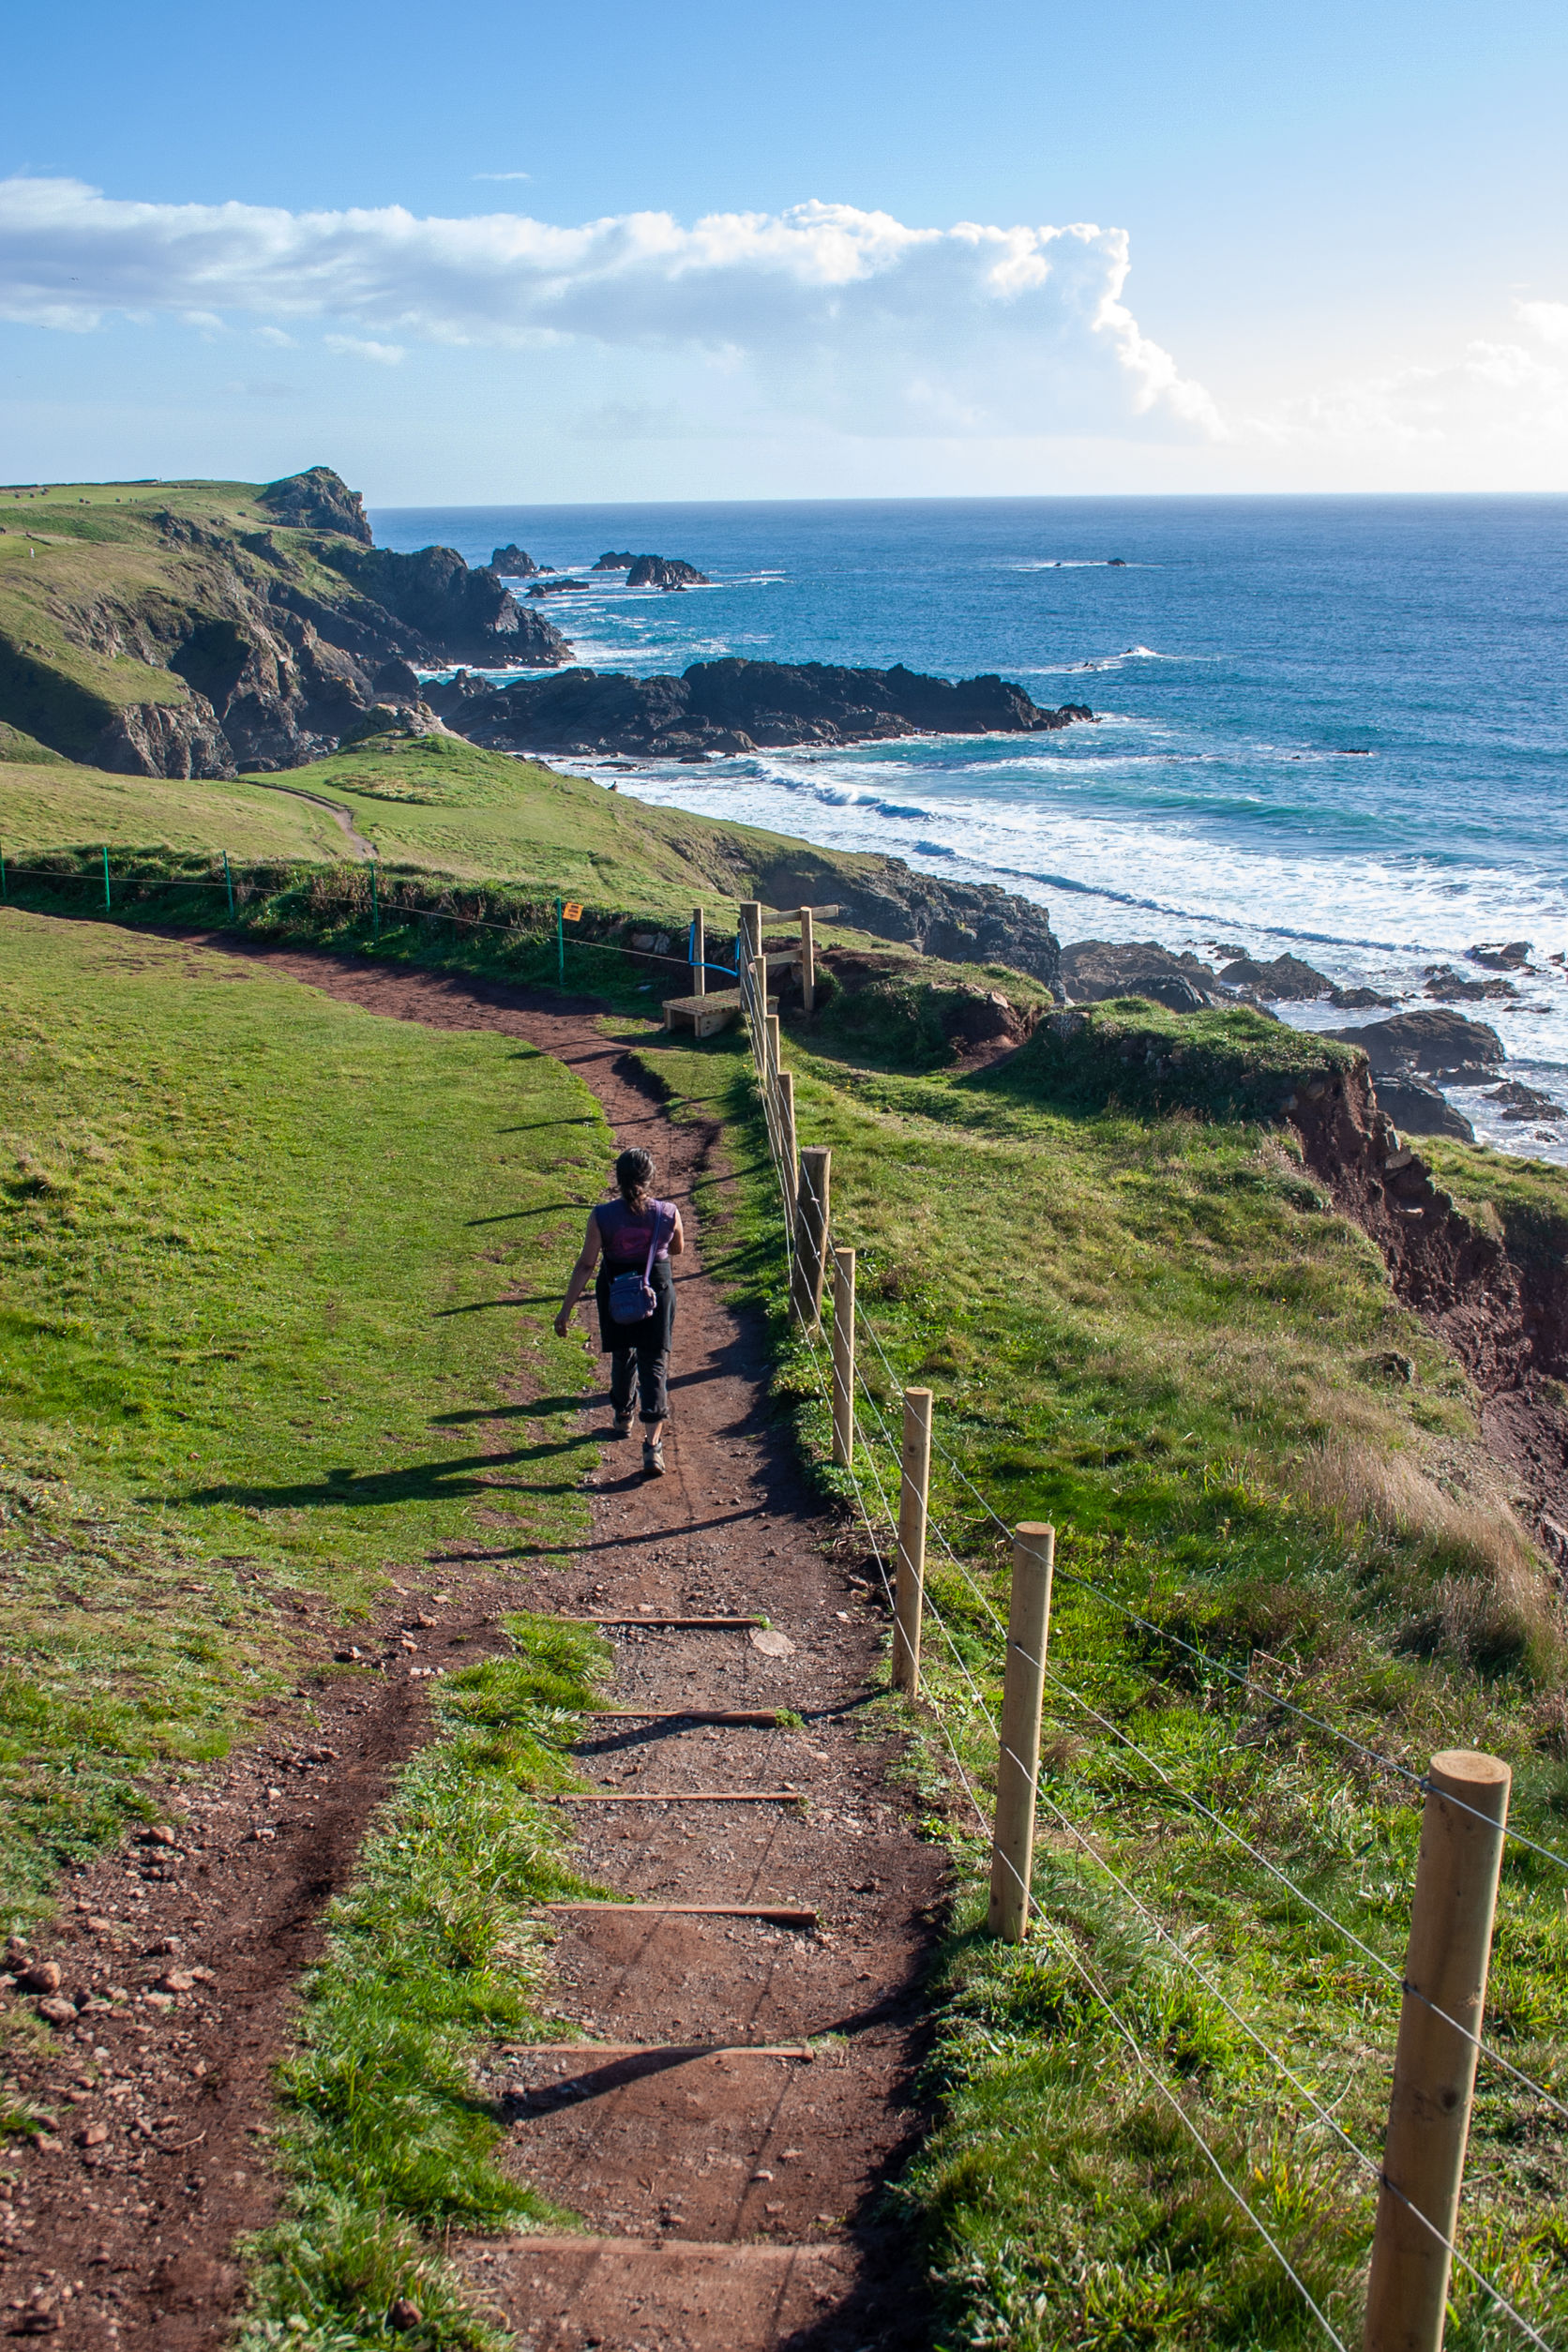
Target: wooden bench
707,1014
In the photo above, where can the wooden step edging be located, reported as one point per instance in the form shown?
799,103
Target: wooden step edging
665,2050
680,1797
776,1914
680,1624
762,1718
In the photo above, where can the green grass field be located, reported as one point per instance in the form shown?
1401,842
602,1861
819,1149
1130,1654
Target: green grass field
1153,1330
276,1311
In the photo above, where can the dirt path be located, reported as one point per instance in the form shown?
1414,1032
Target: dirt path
732,2198
334,810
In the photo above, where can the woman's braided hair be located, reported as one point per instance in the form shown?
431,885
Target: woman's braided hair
634,1174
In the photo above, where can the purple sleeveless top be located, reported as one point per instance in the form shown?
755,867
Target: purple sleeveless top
625,1233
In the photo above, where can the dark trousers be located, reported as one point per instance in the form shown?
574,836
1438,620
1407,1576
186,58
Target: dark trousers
642,1368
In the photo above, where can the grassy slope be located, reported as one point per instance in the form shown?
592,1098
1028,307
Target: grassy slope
272,1284
268,1266
432,803
1153,1331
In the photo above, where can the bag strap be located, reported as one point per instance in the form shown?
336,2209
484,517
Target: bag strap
653,1246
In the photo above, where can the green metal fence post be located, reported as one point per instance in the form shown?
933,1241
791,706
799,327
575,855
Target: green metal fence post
228,886
375,900
107,902
5,891
560,942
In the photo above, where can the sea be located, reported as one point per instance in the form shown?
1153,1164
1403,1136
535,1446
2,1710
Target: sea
1331,727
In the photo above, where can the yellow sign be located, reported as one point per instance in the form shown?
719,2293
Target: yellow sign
572,910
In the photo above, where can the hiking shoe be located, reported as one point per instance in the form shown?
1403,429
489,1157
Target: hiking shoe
653,1457
620,1425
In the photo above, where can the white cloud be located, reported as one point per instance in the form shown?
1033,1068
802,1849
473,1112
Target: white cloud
1492,398
357,347
276,336
500,176
1549,320
832,311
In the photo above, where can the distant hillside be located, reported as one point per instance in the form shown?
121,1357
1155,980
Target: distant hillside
196,629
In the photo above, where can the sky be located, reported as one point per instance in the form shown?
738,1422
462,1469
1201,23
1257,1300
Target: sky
507,254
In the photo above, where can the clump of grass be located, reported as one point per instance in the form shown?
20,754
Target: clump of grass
435,1951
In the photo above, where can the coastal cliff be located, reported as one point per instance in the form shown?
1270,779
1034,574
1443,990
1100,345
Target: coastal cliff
194,629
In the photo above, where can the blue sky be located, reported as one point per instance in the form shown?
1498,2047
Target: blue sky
1328,248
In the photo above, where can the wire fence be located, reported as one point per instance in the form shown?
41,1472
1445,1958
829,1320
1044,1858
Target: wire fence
873,1445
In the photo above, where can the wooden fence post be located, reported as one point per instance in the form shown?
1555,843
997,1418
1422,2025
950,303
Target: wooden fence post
808,960
843,1357
771,1062
1434,2065
811,1200
750,928
1022,1695
909,1593
698,953
787,1142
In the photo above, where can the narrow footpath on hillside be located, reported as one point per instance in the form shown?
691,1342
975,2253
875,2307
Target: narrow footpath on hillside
732,2193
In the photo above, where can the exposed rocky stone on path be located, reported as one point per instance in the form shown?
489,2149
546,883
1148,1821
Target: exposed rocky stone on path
1441,1044
734,706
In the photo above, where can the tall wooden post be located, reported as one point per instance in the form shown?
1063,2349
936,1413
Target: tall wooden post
787,1141
1434,2065
843,1357
808,962
811,1204
750,928
698,953
1023,1696
771,1062
909,1593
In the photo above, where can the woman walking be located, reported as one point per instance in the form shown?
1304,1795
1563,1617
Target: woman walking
631,1240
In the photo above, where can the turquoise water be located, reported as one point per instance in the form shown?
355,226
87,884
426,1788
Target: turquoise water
1332,726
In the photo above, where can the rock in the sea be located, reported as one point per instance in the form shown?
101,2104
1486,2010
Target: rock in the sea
664,571
318,501
1361,1001
1441,1044
611,561
1285,981
1447,987
1417,1108
1093,970
734,705
514,562
555,587
1523,1102
1513,955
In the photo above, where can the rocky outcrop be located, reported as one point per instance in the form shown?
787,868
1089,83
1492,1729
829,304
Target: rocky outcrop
962,922
1521,1102
514,561
735,706
555,587
611,561
1417,1109
261,646
1446,985
451,613
1095,969
1440,1044
319,500
664,571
